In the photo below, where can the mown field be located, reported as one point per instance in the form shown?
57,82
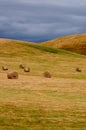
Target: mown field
33,102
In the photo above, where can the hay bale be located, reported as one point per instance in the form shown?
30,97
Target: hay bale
21,66
12,75
4,68
47,74
78,70
26,69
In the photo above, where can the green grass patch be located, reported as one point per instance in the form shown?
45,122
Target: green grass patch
56,51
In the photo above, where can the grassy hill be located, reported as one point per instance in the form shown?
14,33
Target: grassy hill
33,102
75,43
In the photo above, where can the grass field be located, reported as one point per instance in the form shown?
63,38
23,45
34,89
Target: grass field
34,102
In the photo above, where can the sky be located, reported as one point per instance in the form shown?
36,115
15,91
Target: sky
41,20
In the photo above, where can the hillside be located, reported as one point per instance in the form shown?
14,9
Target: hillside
33,102
15,48
75,43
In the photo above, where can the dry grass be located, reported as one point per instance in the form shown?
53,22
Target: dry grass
75,43
34,102
41,103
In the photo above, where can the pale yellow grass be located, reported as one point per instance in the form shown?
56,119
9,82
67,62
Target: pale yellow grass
36,89
42,83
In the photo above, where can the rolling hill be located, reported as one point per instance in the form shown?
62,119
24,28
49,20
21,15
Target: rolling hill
75,43
33,102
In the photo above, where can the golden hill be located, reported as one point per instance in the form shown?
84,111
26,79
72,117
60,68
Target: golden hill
10,47
5,41
75,43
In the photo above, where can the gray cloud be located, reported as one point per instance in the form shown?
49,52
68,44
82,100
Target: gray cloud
35,20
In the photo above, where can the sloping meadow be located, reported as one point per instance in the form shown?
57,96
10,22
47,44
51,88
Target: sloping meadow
34,102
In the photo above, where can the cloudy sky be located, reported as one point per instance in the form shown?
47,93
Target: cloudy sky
41,20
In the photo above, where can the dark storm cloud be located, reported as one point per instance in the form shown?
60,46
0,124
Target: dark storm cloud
34,20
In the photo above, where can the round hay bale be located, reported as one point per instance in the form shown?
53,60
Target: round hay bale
47,74
12,75
26,69
78,70
21,66
4,68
